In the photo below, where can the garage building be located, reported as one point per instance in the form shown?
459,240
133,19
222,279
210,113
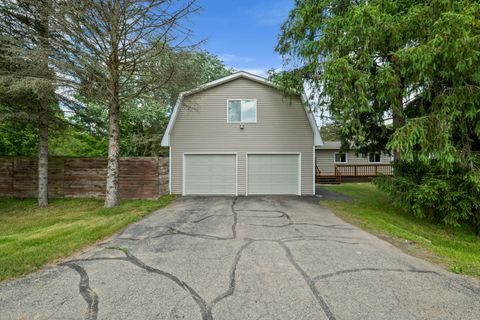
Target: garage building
240,135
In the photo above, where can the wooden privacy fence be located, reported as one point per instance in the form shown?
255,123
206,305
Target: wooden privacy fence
69,177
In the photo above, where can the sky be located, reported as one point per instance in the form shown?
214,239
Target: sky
242,33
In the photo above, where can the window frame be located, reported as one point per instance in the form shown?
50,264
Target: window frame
379,157
241,115
335,158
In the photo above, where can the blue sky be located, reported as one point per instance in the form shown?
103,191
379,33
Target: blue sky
243,33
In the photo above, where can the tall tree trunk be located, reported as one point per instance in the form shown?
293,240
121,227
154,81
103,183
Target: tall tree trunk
43,153
111,195
45,96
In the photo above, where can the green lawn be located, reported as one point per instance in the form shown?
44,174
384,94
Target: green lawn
456,248
31,237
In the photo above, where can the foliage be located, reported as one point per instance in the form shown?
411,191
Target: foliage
415,61
74,142
18,124
429,192
18,138
401,76
331,132
371,209
31,237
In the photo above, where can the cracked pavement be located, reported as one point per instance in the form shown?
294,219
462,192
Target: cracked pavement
269,257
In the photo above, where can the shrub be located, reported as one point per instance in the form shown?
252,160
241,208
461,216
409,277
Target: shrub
429,192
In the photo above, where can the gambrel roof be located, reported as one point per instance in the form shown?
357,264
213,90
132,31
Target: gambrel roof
241,74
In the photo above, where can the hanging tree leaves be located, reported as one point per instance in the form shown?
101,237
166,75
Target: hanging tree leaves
397,76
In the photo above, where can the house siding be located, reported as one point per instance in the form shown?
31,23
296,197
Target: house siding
282,126
325,159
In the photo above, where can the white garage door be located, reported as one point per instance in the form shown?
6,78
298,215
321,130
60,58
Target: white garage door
273,174
210,174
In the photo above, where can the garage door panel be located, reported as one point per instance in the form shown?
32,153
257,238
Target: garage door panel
210,174
273,173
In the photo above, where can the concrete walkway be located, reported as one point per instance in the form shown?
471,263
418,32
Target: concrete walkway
229,258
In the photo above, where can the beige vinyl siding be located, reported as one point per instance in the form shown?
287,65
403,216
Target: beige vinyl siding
326,162
282,126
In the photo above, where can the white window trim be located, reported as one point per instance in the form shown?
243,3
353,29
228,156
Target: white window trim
241,122
209,153
346,157
274,153
380,161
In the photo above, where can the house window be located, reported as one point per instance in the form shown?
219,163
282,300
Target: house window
374,157
340,157
242,111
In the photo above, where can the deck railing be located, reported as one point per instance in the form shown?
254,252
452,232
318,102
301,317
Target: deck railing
363,170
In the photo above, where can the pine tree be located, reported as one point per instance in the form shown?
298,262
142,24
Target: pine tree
111,50
26,34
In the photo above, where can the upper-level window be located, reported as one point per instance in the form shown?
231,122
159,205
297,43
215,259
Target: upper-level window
340,157
242,111
374,157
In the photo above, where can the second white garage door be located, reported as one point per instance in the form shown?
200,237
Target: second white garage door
273,174
210,174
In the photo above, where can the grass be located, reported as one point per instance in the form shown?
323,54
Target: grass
31,237
371,209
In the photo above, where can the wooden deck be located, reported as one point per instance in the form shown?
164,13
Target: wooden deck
353,171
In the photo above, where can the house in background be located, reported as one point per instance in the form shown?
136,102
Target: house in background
333,165
239,135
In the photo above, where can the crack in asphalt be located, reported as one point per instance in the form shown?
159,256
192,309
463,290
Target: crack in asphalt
328,275
233,271
206,315
87,293
174,231
328,226
319,239
282,215
235,218
311,284
194,235
211,216
94,259
211,237
263,217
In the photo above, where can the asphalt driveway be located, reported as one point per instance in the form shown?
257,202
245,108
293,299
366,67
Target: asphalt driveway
242,258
